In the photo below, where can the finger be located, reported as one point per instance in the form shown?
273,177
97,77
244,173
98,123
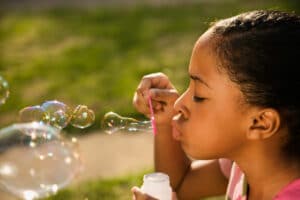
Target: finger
155,80
141,96
157,105
135,189
133,197
138,194
140,104
164,95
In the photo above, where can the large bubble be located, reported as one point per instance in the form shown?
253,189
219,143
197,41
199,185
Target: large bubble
35,161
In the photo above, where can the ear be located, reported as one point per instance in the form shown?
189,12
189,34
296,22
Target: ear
264,124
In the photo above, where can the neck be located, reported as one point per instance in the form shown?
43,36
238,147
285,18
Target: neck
267,174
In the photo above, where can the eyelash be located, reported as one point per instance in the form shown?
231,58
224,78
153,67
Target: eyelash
198,99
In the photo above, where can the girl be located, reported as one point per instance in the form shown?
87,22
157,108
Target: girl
242,104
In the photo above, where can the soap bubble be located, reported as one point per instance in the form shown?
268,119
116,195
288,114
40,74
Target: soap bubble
4,90
33,114
82,117
35,161
58,113
113,122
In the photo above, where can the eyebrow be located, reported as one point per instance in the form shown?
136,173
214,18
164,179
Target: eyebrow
197,78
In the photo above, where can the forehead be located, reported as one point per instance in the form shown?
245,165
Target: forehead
205,39
205,64
204,59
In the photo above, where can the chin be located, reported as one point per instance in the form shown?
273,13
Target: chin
191,157
188,153
196,155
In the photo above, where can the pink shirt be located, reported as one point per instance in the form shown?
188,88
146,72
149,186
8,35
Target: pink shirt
237,186
290,192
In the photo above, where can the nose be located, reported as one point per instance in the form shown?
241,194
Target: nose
180,105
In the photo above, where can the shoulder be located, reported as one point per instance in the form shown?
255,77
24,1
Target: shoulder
290,192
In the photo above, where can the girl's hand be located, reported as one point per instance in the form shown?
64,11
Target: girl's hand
162,93
139,195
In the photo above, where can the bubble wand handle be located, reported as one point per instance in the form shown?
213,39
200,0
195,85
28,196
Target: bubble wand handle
153,124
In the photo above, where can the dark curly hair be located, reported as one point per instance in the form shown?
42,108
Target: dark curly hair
260,51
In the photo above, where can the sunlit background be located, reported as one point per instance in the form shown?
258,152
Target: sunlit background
94,53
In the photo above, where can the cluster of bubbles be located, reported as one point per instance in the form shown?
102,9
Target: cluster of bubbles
58,114
35,159
113,122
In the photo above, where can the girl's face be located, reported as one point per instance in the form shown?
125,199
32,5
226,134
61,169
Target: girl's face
213,113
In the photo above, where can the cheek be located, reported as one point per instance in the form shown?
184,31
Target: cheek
212,136
206,144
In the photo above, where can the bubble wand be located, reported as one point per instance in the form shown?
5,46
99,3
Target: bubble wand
153,124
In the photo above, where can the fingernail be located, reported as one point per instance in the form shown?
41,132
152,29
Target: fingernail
145,94
157,107
151,93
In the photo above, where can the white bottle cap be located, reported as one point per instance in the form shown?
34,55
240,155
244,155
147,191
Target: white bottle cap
157,185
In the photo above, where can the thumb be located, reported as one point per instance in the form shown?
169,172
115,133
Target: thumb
138,194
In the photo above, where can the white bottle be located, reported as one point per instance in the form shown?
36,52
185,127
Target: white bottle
157,185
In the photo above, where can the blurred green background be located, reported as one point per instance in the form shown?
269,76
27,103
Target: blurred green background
97,54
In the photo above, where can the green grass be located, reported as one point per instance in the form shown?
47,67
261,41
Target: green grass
98,56
106,189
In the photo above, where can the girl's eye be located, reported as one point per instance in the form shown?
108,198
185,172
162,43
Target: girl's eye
198,99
